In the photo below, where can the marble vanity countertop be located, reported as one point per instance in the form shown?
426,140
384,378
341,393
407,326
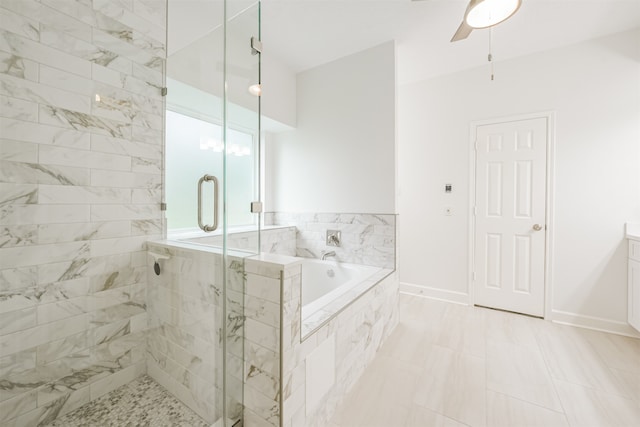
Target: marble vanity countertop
633,230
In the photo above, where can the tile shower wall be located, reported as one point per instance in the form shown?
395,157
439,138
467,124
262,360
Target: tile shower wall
367,239
80,187
184,352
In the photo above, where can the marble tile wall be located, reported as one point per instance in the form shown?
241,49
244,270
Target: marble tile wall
367,239
291,381
80,189
319,371
273,239
184,345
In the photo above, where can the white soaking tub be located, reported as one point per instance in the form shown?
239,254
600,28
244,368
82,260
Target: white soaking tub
323,282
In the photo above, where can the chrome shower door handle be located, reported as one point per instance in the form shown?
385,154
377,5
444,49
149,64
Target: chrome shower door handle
208,228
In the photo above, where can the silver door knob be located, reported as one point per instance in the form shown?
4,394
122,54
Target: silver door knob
537,227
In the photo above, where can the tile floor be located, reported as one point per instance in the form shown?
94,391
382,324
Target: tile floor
142,402
452,365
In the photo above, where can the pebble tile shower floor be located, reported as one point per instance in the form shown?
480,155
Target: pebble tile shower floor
142,402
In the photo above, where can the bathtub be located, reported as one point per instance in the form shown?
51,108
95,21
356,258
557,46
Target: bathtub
323,282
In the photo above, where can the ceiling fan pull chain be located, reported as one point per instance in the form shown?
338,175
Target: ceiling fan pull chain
490,56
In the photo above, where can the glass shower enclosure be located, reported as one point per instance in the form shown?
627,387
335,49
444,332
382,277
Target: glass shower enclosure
212,178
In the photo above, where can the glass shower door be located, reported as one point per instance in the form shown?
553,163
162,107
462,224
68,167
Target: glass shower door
213,130
241,183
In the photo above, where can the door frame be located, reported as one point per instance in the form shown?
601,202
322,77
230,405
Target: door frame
549,209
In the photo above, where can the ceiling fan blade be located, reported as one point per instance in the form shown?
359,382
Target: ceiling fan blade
462,33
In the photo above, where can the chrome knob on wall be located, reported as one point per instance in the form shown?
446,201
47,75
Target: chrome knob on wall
334,237
537,227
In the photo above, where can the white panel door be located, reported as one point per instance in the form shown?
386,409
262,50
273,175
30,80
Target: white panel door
510,212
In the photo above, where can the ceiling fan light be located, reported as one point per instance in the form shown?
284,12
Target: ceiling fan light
487,13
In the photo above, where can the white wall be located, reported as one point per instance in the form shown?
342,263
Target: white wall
594,88
341,156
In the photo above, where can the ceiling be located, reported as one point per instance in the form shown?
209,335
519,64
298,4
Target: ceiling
307,33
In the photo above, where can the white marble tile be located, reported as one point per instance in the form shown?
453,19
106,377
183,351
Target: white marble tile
153,77
133,20
29,338
18,109
122,48
262,334
50,16
17,278
42,214
146,227
124,212
66,81
84,122
38,52
20,257
105,144
105,178
264,407
76,269
18,320
57,233
18,151
42,94
52,36
17,363
54,350
33,173
129,34
77,10
266,288
143,165
18,235
17,405
119,245
107,76
320,374
146,134
62,194
19,24
19,130
126,375
17,66
264,311
61,309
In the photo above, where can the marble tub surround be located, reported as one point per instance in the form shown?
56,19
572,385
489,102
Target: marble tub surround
274,239
185,352
296,381
367,239
80,190
315,320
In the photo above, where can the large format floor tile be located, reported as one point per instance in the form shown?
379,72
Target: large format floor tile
505,411
452,365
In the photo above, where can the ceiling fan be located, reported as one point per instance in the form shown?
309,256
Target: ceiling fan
484,14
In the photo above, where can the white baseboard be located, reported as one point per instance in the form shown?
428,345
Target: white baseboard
434,293
595,323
